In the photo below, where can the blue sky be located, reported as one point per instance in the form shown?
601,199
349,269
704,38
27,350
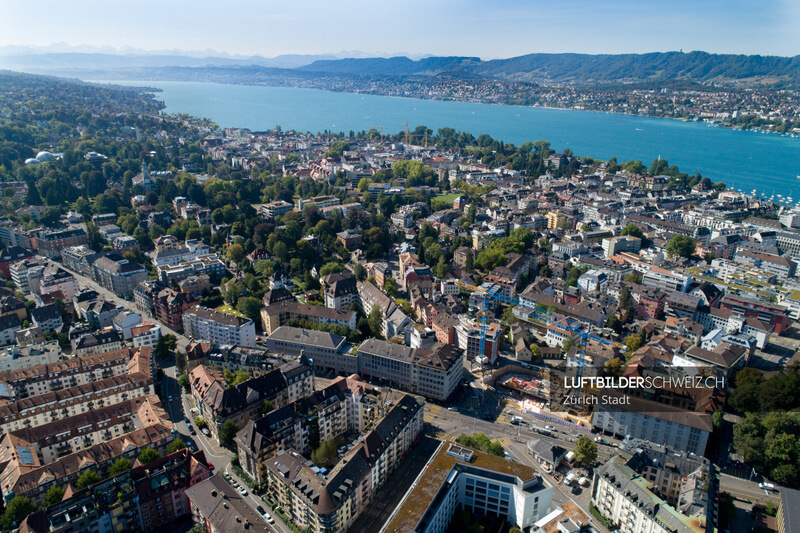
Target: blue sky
488,29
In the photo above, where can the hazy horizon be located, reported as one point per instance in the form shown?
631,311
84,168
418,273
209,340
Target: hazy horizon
503,29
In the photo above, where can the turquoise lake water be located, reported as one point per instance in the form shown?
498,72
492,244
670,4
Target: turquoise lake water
744,160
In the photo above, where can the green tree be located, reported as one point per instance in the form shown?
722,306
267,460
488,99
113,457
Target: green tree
123,464
16,511
441,268
390,286
727,510
175,445
227,432
183,381
200,422
54,495
331,268
235,253
166,345
614,367
718,418
633,343
87,479
585,451
681,245
375,321
148,455
266,407
634,277
363,184
250,307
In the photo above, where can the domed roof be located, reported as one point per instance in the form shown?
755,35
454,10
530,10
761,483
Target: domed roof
32,161
44,155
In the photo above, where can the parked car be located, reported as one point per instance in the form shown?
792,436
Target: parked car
206,432
268,518
242,491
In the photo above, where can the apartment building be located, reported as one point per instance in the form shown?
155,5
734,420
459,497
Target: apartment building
777,316
653,492
210,264
97,342
119,276
217,507
275,209
35,380
782,267
340,290
66,396
50,243
53,440
279,314
57,280
169,307
26,274
146,498
146,334
220,328
666,280
433,372
330,502
321,415
675,427
468,335
625,243
457,477
9,326
326,350
22,356
219,403
145,294
47,318
26,476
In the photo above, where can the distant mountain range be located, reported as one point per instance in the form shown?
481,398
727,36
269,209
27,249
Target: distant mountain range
577,69
583,68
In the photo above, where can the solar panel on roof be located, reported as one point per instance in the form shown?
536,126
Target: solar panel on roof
25,456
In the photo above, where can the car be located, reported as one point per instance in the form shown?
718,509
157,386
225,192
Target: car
452,408
260,510
170,399
211,466
242,491
192,431
268,518
206,432
188,422
576,489
550,428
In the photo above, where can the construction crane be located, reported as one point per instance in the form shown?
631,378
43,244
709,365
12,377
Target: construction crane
380,128
537,314
405,125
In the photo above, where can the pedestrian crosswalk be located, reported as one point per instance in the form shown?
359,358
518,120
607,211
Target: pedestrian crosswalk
431,412
473,403
505,442
501,419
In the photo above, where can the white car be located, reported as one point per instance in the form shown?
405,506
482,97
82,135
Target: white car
242,491
268,518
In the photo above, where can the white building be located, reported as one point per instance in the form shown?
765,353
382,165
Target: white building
459,477
593,280
677,428
660,278
218,328
146,334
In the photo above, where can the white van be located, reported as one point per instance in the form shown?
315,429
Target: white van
766,486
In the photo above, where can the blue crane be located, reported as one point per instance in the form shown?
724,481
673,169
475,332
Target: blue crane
536,314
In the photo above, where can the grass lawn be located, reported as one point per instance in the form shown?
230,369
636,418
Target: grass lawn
448,197
228,310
